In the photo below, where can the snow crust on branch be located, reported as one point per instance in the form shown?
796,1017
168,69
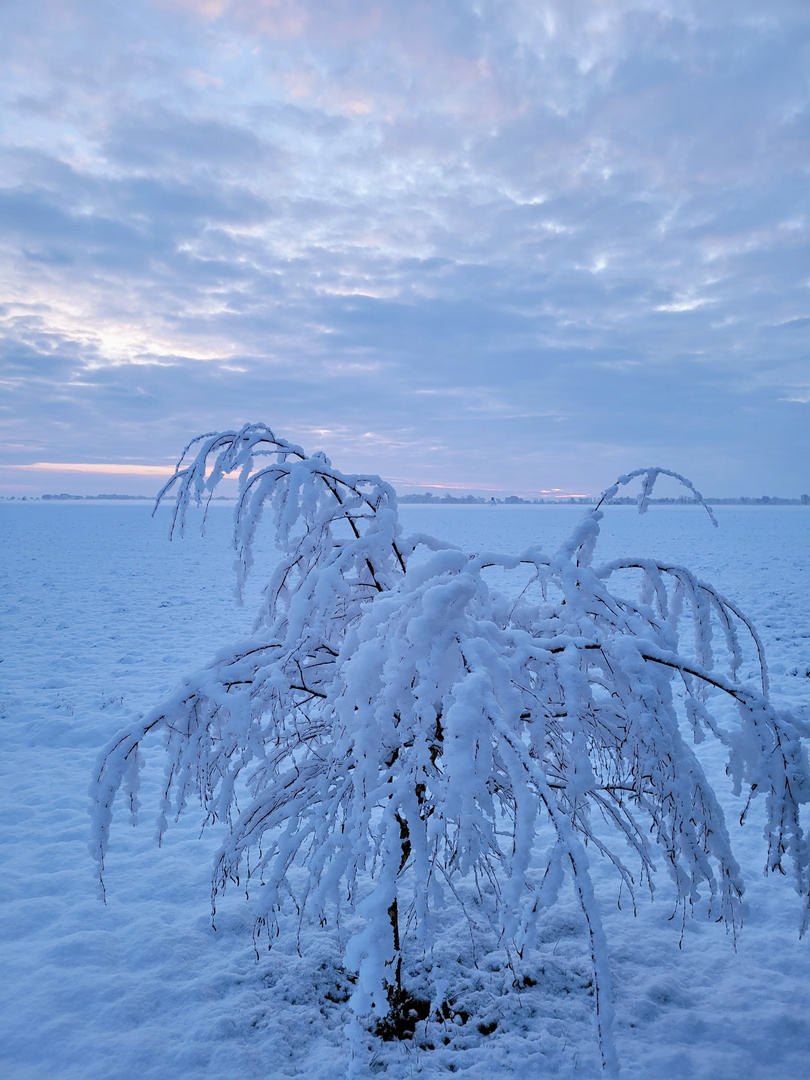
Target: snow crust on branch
395,727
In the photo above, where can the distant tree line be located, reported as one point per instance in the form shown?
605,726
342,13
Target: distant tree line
136,498
473,500
587,500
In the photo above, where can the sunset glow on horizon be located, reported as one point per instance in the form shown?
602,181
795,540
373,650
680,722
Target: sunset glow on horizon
96,467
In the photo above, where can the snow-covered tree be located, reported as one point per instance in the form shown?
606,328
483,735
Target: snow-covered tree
396,727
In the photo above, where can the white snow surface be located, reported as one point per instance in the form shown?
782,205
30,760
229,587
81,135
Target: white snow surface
102,616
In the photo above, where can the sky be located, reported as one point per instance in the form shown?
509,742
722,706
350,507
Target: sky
514,246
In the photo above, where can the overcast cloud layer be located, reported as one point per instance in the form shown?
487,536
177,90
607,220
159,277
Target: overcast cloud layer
513,245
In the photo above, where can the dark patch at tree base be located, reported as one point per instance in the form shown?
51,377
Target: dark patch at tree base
405,1013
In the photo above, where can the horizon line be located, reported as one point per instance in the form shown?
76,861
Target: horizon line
133,469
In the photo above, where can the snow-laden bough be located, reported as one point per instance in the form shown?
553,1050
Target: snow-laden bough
395,727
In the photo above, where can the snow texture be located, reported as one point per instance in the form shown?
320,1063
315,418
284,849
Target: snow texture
101,618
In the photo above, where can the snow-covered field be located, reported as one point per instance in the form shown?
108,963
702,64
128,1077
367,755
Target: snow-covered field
101,615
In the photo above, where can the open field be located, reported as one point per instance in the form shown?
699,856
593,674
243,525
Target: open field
101,616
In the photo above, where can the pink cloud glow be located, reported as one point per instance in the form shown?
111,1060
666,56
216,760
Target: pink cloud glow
100,467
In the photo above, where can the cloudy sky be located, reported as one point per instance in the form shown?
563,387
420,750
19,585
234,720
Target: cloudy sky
504,245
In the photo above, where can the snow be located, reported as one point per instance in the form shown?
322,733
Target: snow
102,616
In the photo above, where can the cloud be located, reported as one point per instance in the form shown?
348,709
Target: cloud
542,242
157,139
